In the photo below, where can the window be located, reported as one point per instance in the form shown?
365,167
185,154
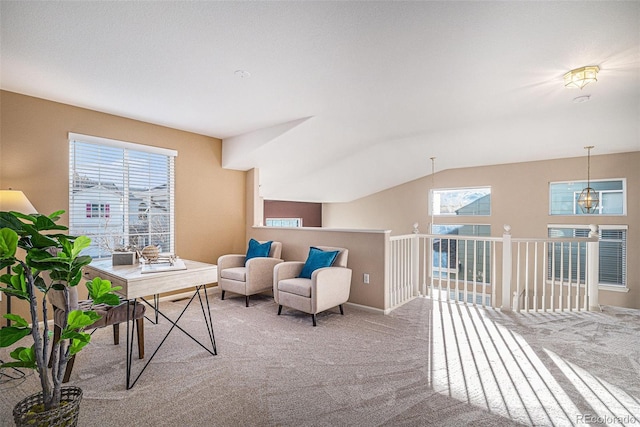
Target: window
120,194
283,222
460,258
563,197
612,257
461,201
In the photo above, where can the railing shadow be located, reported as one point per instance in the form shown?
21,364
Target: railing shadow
477,360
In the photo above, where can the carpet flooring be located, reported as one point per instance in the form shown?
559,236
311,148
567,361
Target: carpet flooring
427,363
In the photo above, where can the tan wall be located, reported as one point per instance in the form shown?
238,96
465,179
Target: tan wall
519,198
310,213
34,158
367,254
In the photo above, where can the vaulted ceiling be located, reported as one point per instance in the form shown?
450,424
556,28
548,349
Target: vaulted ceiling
333,101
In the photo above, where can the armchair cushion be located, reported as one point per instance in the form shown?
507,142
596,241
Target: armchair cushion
296,286
235,273
317,259
258,250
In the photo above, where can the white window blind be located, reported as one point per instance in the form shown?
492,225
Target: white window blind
283,222
121,194
612,254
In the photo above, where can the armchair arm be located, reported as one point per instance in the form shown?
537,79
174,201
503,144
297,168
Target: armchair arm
230,261
285,270
330,286
260,272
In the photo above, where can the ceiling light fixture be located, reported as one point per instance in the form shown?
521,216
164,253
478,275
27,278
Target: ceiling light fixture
580,77
588,199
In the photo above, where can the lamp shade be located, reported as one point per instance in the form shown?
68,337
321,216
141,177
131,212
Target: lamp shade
15,200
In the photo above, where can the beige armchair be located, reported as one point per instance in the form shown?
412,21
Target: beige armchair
328,286
250,279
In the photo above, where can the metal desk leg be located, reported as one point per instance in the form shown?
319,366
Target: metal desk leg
154,306
174,324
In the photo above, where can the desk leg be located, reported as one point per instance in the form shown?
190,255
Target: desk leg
174,324
130,335
207,316
156,301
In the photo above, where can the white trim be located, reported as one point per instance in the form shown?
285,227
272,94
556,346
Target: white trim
78,137
368,308
586,226
613,288
322,229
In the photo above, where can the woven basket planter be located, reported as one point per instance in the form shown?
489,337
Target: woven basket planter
65,415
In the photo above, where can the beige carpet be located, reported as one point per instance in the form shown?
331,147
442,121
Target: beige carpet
427,363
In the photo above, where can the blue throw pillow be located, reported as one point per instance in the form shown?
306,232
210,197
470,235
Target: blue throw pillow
317,259
257,250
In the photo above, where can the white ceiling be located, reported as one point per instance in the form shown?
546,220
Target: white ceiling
345,98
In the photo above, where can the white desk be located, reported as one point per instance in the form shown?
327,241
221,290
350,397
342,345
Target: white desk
136,285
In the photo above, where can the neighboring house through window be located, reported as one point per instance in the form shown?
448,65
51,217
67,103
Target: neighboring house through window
471,201
466,260
98,210
120,194
612,194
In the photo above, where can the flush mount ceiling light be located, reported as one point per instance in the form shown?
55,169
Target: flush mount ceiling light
580,77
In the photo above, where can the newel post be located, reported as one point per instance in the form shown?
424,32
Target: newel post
593,268
415,264
506,268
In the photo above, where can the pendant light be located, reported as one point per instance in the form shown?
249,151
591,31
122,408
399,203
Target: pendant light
588,199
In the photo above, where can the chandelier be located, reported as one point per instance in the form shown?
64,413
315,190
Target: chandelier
588,199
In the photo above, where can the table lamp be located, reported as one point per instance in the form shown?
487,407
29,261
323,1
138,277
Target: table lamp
14,200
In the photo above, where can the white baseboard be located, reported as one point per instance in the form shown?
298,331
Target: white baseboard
366,308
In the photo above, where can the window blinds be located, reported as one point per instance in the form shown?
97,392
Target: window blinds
121,194
612,254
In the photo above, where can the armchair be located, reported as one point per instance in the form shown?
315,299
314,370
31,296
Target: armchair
251,277
327,287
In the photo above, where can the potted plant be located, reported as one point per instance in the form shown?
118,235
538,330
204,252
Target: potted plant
37,256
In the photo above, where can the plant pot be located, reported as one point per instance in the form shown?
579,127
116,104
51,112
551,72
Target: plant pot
64,415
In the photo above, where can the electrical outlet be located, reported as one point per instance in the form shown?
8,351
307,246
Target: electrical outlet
366,278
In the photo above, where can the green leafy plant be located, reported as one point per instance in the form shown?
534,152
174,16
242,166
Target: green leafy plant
38,257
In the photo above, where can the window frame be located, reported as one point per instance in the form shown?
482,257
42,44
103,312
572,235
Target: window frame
432,197
266,221
130,165
576,209
619,287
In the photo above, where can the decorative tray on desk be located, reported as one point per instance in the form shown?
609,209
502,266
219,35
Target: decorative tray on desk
163,264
